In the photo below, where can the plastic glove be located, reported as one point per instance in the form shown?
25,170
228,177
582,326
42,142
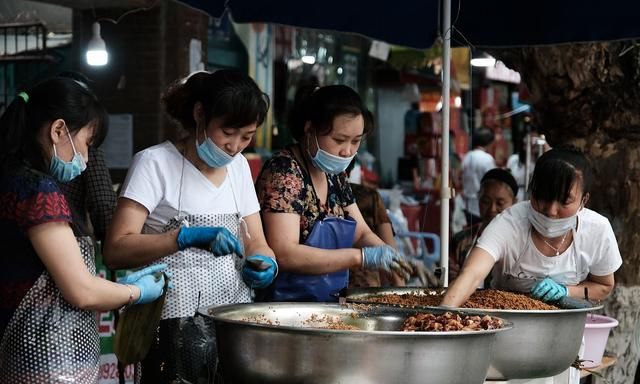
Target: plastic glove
259,271
426,277
218,240
548,290
151,287
386,258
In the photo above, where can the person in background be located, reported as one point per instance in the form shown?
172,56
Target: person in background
90,196
412,119
375,216
192,205
516,162
474,165
48,287
498,190
310,215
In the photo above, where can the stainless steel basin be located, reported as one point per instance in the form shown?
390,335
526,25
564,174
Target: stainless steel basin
542,344
273,343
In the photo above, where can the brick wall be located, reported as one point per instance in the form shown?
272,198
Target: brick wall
148,50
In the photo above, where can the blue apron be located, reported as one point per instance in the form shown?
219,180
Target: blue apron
330,233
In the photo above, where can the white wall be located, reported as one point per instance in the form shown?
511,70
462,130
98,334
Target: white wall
391,107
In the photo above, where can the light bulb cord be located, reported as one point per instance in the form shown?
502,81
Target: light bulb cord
127,13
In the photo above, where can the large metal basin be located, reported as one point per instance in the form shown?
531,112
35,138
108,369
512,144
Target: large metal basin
288,351
542,344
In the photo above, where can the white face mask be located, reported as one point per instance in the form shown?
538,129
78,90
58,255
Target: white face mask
549,227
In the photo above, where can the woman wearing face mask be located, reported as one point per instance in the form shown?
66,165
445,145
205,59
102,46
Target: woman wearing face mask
551,246
192,205
311,218
48,287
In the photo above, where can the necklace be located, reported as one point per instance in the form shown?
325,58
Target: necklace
557,250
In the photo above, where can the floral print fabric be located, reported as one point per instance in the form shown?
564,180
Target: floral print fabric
285,186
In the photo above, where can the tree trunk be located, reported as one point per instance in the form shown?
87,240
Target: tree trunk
589,95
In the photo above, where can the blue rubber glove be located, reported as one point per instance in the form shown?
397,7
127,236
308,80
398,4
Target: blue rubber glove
259,271
386,258
548,290
218,240
150,286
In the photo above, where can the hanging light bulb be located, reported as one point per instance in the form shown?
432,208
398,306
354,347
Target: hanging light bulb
483,62
96,49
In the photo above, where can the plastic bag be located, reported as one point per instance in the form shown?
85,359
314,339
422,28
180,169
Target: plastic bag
137,327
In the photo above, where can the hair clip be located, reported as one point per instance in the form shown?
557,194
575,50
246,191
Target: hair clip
24,96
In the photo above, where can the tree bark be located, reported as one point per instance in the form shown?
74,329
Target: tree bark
589,95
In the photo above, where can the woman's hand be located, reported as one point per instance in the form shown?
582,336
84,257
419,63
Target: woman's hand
386,258
151,287
216,239
548,290
259,271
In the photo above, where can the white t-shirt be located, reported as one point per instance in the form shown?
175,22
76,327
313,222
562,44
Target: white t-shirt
154,177
517,171
474,165
594,248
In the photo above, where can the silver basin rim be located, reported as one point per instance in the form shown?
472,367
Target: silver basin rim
217,314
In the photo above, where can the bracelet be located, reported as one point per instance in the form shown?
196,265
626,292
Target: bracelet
362,252
130,301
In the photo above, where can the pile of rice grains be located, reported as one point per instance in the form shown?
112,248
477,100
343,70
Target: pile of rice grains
486,298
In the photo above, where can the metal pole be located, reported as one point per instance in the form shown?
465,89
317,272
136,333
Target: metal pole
527,165
445,191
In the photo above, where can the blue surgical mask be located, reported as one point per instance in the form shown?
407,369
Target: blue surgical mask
67,171
211,154
549,227
329,163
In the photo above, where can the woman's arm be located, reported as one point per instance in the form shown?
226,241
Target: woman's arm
599,287
257,244
385,233
474,271
282,231
126,246
58,249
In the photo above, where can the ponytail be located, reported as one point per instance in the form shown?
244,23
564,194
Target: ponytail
56,98
14,137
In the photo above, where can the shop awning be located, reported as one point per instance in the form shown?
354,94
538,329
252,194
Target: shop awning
415,23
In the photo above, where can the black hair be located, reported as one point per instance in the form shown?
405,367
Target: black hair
321,106
102,116
482,137
228,95
501,175
77,76
55,98
557,170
